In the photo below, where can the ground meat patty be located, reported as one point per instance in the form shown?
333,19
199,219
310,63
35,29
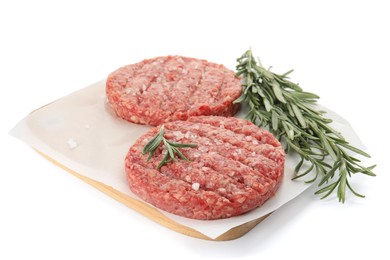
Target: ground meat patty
236,167
172,88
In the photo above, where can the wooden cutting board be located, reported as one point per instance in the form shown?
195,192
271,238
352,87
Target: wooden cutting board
154,214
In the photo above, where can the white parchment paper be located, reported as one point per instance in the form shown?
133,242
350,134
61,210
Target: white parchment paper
81,132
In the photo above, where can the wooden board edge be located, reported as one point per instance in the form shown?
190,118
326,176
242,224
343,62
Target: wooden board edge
154,214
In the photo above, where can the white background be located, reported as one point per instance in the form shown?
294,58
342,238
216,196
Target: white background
339,50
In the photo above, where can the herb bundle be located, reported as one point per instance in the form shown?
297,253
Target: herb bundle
290,114
171,148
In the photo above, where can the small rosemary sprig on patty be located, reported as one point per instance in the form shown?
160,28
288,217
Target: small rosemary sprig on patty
290,113
171,148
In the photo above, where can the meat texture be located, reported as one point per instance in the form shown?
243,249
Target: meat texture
171,88
235,168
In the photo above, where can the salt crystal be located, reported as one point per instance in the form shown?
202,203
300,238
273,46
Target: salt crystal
203,149
248,138
195,186
179,135
255,142
72,143
241,200
222,190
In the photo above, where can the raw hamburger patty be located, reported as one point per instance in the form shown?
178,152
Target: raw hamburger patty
171,88
235,168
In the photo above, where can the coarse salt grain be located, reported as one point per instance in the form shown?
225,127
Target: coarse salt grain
248,138
195,186
241,200
222,190
218,142
203,149
179,135
72,143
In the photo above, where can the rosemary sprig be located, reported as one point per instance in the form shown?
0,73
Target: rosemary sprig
290,114
171,148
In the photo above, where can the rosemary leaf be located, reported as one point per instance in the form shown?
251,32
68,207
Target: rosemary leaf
172,148
290,114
